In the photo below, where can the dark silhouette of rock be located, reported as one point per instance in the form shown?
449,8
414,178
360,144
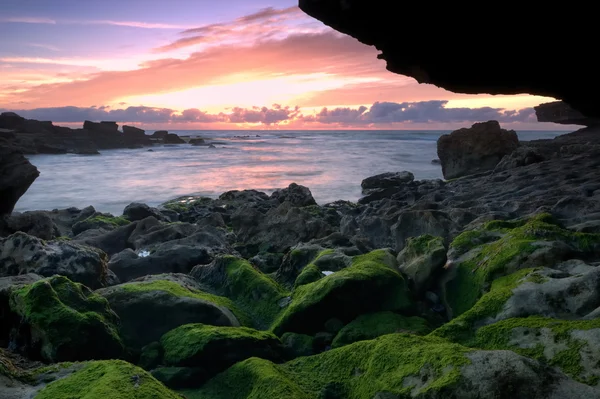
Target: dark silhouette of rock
561,112
476,149
16,175
160,134
172,138
449,61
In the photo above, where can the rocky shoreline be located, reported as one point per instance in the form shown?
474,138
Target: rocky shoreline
485,285
30,136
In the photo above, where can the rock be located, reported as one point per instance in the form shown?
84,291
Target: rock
309,274
153,305
160,134
295,261
368,285
436,162
375,25
64,321
522,156
296,345
418,223
114,379
214,349
252,292
132,131
36,223
101,127
137,211
7,318
499,248
470,374
561,112
373,325
151,356
21,253
198,141
386,180
172,138
421,259
111,242
99,221
476,149
16,175
295,194
267,262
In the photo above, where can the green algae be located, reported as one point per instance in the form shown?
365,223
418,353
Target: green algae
179,291
498,336
183,345
423,244
373,325
366,286
297,345
518,240
114,379
309,274
359,370
67,320
252,291
462,329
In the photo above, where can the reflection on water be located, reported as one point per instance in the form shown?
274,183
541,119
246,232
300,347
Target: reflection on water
331,163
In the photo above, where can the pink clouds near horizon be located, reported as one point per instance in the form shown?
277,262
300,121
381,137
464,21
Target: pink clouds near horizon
216,73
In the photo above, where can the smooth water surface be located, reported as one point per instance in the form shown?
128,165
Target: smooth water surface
331,163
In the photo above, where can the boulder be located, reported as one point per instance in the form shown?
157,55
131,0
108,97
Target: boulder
114,379
368,285
134,132
160,134
16,175
428,367
373,325
151,306
253,292
522,156
422,260
21,253
198,142
475,150
35,223
212,349
172,138
295,194
138,211
64,321
385,180
103,127
99,220
7,318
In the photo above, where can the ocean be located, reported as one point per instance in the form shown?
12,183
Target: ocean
331,163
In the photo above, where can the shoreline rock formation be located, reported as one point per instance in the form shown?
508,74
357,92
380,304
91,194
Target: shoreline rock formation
478,287
30,136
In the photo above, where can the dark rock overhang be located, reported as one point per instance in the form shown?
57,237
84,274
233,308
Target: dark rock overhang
494,48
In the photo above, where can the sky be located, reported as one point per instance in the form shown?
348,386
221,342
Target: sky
205,64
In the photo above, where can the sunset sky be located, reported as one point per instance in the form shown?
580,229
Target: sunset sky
203,64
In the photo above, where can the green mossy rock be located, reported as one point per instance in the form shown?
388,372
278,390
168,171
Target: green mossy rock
571,345
65,321
151,356
360,370
374,325
297,345
213,348
149,309
366,286
500,248
257,295
309,274
108,379
421,259
180,377
99,221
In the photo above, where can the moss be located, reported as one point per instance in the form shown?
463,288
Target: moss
309,274
462,329
498,336
360,370
373,325
112,379
151,356
470,239
297,345
252,291
67,321
367,285
504,256
113,221
417,246
184,345
185,204
180,291
376,257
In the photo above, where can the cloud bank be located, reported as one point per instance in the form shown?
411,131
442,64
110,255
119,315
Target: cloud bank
380,113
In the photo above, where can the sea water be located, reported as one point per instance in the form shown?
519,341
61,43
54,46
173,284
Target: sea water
331,163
